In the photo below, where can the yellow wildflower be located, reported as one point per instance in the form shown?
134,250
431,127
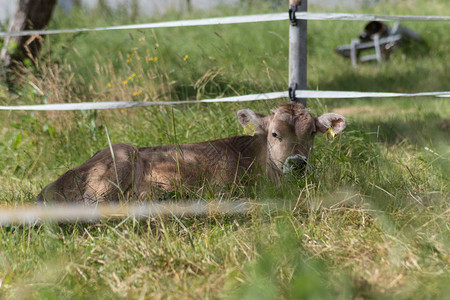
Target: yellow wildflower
110,85
125,82
186,57
137,93
133,75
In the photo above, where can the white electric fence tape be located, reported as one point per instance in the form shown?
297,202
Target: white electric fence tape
31,215
254,97
237,20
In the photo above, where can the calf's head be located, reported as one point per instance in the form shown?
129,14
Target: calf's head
287,134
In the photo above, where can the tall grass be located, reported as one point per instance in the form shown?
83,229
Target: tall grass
370,220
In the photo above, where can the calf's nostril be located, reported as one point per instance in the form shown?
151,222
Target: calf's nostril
298,161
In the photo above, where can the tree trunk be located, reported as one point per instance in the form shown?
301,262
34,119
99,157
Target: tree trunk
30,15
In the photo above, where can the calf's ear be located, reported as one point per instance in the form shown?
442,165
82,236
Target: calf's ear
248,117
331,120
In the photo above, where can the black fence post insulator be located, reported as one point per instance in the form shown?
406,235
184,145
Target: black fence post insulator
291,91
292,18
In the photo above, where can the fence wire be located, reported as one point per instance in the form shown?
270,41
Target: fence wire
33,215
236,20
245,98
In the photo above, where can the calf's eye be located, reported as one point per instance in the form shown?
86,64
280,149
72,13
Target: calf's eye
275,135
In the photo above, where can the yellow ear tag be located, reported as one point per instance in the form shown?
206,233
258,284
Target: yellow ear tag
329,134
250,129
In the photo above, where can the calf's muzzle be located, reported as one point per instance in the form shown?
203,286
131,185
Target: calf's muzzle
295,163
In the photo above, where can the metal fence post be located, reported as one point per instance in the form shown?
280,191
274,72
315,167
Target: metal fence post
297,50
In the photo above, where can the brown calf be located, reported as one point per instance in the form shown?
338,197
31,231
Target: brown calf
281,142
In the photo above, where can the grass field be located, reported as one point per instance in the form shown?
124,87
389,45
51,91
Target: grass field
371,221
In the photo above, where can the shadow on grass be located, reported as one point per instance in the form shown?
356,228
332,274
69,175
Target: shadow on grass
389,81
420,131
